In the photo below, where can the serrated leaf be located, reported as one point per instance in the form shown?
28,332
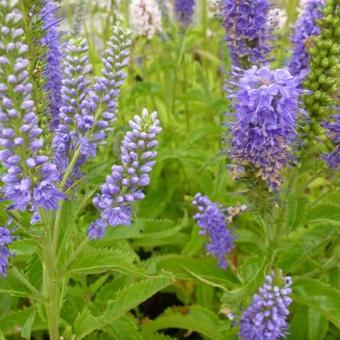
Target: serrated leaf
126,299
196,319
106,291
124,328
321,297
95,260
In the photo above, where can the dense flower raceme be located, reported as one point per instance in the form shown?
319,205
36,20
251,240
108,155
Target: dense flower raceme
246,25
52,71
333,131
87,112
266,317
213,222
266,108
145,17
5,239
30,176
305,28
184,10
126,182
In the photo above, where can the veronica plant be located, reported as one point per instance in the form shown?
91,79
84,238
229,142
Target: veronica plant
41,181
96,235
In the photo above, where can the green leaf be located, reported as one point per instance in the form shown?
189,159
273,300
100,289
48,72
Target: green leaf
124,328
13,322
299,320
11,285
94,261
319,296
317,325
126,299
324,213
203,270
196,319
27,329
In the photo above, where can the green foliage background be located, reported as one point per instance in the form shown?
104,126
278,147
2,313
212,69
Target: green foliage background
104,284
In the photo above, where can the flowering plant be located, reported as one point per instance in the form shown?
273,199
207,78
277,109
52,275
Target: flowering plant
212,214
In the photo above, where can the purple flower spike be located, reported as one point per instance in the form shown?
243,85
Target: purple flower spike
266,317
52,72
305,28
333,132
246,25
214,224
266,109
75,88
21,138
184,11
126,183
6,238
87,113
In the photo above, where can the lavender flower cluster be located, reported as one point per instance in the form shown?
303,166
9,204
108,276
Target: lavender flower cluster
213,222
52,72
126,182
184,10
305,28
29,181
246,25
81,115
87,112
266,105
266,317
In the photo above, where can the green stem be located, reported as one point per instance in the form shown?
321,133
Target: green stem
50,291
70,168
50,285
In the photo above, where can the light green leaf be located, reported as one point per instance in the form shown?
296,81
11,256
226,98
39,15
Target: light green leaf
124,328
126,299
27,329
12,323
93,261
11,285
196,319
324,213
317,325
321,297
203,270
